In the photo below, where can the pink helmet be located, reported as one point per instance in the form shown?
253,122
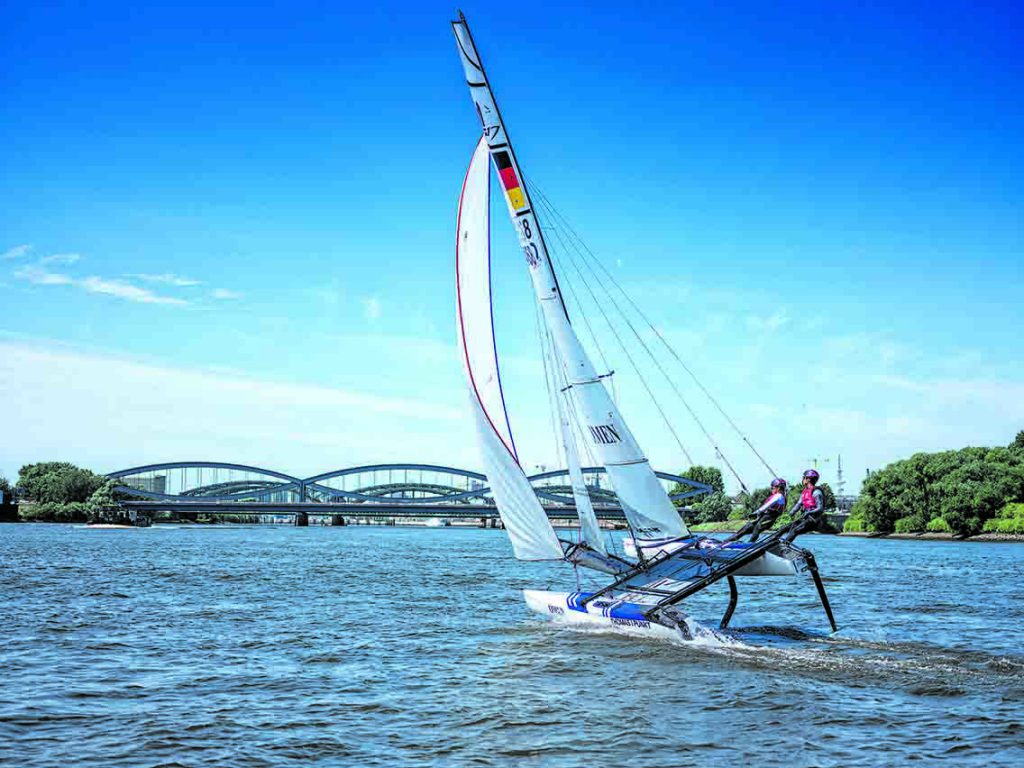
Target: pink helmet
812,475
778,482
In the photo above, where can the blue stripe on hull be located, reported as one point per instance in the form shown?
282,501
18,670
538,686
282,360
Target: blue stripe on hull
616,610
627,611
574,601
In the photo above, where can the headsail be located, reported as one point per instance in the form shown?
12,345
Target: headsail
589,529
527,524
646,504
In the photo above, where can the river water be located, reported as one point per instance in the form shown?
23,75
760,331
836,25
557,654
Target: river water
373,646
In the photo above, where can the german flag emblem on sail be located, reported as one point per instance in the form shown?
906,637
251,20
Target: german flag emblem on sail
509,180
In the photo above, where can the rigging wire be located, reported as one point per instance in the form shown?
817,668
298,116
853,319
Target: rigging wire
586,252
625,350
582,252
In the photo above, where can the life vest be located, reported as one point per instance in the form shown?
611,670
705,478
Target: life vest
807,498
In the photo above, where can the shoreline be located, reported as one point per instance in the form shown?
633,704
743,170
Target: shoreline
928,536
994,538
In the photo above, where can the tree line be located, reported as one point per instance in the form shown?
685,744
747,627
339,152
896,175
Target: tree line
63,493
964,492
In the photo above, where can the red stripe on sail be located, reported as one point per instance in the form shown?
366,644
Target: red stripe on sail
508,178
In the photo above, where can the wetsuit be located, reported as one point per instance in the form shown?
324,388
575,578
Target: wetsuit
812,506
768,513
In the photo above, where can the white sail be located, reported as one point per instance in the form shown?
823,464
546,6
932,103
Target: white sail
527,524
590,530
650,512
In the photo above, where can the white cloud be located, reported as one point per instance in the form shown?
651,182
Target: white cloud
109,412
167,278
127,291
38,275
372,308
223,294
16,252
60,258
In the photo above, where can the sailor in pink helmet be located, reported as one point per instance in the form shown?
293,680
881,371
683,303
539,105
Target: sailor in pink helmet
810,507
766,515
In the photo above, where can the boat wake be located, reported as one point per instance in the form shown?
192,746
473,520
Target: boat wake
700,635
919,668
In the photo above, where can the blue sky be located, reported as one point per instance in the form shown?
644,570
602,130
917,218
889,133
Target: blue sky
227,229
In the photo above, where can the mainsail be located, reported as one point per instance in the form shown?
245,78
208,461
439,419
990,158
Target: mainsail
651,514
527,524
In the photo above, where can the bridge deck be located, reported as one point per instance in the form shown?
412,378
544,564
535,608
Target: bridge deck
378,509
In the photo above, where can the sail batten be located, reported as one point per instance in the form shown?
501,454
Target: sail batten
646,504
524,518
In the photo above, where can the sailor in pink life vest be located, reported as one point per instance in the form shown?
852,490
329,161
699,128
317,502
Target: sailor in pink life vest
810,505
766,515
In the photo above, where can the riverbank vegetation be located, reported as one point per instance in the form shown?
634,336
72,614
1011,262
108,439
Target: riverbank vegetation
963,492
63,493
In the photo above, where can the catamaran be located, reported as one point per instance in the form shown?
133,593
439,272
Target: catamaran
663,563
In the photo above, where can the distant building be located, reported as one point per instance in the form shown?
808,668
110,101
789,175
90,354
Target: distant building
150,483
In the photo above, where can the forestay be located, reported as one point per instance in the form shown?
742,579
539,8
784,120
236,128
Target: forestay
527,524
651,514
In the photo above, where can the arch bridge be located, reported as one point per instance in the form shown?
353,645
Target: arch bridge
409,489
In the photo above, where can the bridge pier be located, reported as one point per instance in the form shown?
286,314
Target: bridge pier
302,519
338,520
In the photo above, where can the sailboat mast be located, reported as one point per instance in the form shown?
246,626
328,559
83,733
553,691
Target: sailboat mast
651,514
517,195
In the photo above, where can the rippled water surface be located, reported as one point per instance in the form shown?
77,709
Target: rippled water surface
273,646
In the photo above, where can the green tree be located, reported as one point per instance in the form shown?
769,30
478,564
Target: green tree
707,475
103,501
1018,442
965,488
6,496
58,482
712,508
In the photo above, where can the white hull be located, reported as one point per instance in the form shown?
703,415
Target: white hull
555,605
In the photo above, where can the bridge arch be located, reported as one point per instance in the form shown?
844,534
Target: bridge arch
404,484
209,480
